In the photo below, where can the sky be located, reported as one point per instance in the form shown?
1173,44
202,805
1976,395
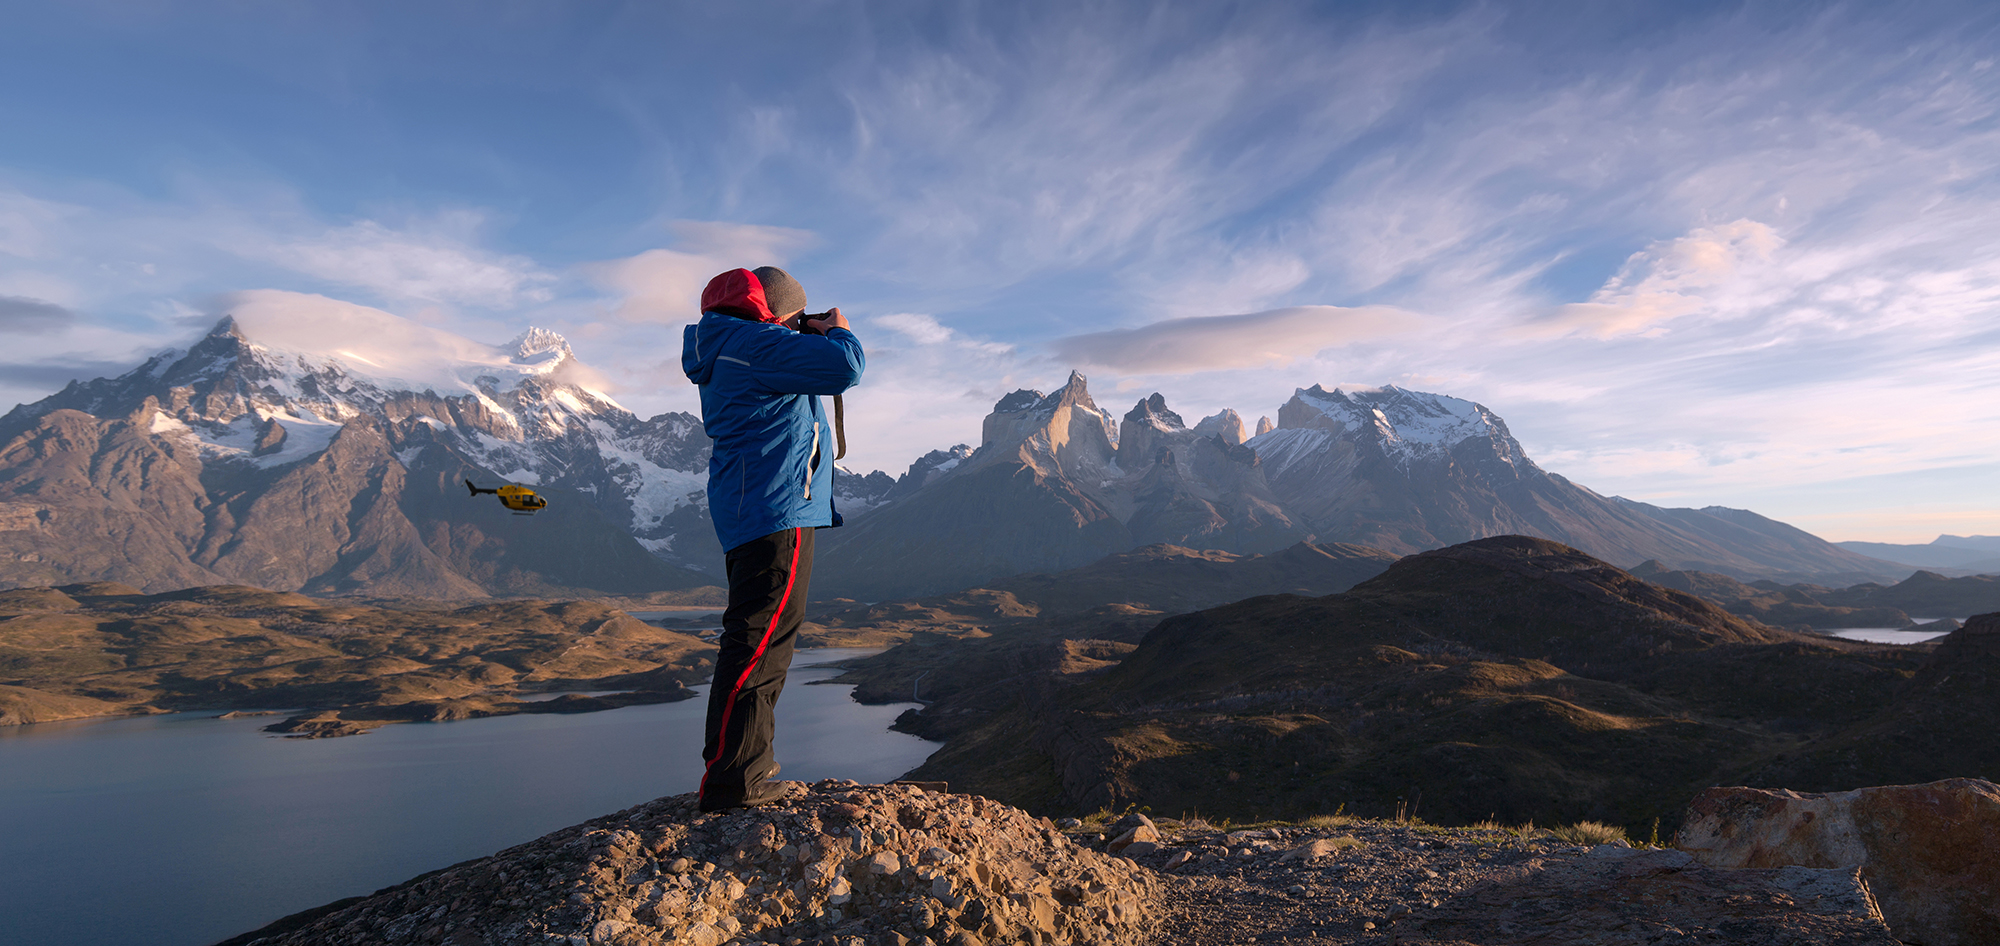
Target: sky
1738,254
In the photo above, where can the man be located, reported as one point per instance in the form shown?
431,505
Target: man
770,484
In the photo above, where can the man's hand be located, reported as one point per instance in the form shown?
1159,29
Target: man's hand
829,320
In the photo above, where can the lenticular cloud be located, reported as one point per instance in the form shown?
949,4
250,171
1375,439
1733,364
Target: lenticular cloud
1207,343
385,346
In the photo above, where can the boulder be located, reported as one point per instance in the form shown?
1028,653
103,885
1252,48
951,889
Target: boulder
1139,830
1319,849
1930,854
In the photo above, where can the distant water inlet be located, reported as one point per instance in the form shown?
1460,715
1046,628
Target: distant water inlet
1894,635
183,830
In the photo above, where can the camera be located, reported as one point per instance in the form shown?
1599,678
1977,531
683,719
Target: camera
809,330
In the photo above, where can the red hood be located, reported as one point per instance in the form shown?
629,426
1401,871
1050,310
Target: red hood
737,292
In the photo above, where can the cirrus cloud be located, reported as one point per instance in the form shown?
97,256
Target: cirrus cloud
1664,282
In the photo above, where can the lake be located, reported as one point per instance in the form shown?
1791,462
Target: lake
1890,635
183,830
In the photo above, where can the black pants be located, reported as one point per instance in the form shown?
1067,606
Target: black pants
767,601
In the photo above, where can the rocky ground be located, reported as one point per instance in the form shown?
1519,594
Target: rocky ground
835,864
840,864
1382,883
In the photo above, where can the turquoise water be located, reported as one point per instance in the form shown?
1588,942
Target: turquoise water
183,830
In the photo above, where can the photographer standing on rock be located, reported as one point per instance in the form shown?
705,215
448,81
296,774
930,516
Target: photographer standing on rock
762,363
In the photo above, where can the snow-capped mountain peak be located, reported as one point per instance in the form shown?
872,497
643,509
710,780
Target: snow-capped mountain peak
1398,425
1410,423
1412,417
539,347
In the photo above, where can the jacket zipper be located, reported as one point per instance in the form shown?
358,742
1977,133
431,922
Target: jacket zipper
812,465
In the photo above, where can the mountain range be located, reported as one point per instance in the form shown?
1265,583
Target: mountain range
1958,554
238,461
1057,483
334,462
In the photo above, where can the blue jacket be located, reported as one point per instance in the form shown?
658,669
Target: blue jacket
772,467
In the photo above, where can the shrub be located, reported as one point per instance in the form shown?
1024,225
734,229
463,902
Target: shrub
1590,832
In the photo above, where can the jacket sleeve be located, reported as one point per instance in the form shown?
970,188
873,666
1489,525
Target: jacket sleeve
811,364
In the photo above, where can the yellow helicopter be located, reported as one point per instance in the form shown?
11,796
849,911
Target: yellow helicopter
520,499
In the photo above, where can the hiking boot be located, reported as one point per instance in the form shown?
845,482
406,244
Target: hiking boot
767,792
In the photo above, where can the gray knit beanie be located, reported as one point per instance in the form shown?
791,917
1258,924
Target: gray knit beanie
782,293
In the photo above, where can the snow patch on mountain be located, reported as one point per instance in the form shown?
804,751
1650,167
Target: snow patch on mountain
855,494
1412,417
237,440
1405,425
652,489
1281,449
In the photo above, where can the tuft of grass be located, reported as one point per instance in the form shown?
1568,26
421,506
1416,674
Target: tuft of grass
1590,832
1193,821
1327,821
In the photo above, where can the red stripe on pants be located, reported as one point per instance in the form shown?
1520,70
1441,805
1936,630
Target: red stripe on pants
722,733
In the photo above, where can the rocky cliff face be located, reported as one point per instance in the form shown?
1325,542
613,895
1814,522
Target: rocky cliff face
1054,485
236,461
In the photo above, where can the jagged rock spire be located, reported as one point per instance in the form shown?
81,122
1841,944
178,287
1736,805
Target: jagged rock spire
1226,424
227,326
1153,410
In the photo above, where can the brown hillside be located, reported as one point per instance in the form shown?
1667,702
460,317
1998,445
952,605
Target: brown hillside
1507,677
1119,596
77,650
